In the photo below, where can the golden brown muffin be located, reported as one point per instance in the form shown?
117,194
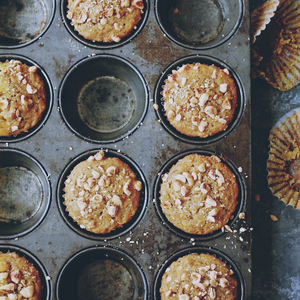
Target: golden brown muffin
198,277
105,21
22,97
19,279
199,100
199,194
102,194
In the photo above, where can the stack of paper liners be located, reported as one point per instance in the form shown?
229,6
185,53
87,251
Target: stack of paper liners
276,43
283,164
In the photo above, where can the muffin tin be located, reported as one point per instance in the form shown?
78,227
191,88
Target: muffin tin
133,127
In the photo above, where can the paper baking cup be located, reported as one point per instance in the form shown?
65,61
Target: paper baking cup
277,48
207,250
283,164
130,225
261,17
22,22
98,273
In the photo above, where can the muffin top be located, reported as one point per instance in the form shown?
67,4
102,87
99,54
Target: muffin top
102,193
22,97
198,276
199,194
105,21
19,279
199,100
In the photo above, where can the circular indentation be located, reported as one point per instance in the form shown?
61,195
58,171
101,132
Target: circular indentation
44,275
119,231
49,98
199,24
103,45
165,169
25,193
241,293
101,273
208,60
103,98
23,22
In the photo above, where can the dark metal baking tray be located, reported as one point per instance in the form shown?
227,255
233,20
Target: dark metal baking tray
56,142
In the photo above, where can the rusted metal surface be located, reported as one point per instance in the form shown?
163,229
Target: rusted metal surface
149,145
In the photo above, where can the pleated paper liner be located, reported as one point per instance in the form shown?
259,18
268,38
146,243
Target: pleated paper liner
276,51
284,159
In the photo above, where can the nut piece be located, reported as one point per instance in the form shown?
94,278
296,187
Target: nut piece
126,188
28,291
4,266
137,185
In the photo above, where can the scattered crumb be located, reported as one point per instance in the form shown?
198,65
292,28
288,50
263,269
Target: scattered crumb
257,197
274,218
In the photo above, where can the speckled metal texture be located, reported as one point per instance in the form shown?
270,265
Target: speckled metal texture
149,146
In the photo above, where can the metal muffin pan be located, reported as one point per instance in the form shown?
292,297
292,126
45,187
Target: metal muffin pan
139,63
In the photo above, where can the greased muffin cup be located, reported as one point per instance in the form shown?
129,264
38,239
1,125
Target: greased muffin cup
23,22
105,96
25,193
101,272
199,24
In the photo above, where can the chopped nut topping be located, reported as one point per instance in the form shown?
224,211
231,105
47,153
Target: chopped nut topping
99,155
126,188
181,178
27,292
203,99
223,87
137,185
111,210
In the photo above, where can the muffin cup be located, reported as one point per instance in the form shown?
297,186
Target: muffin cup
44,275
203,59
119,231
103,45
101,273
156,192
103,98
25,193
201,249
23,22
199,24
49,98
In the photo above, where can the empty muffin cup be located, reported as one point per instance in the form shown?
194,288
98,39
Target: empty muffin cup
199,24
131,224
206,60
49,98
83,35
241,287
103,98
25,193
166,168
101,273
22,22
43,273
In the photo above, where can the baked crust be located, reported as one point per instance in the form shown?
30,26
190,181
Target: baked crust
200,100
22,97
102,194
19,279
105,21
199,194
198,276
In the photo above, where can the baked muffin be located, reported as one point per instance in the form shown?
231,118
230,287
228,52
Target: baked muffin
198,276
22,97
19,279
199,100
102,194
105,21
199,194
